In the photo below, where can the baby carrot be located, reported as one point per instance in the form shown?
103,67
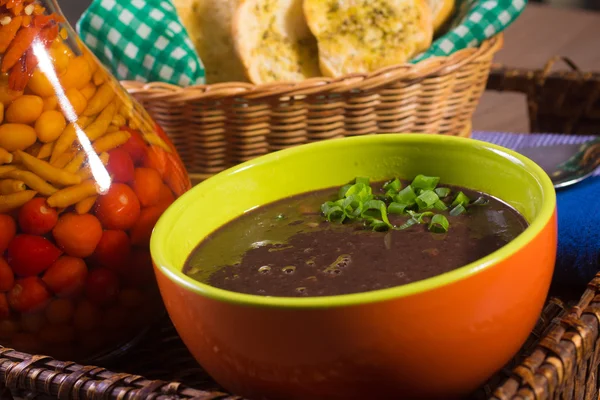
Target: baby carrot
8,32
19,45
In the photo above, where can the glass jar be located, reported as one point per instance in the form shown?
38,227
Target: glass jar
84,175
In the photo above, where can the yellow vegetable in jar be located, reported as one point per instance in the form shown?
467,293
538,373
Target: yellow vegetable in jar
7,95
9,186
25,109
39,84
78,74
60,55
50,125
5,157
77,100
104,95
15,137
50,103
13,201
47,171
88,90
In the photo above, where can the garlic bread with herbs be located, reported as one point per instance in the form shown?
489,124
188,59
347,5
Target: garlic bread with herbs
209,25
273,41
441,10
364,35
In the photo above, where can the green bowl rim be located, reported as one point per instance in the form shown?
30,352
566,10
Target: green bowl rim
185,201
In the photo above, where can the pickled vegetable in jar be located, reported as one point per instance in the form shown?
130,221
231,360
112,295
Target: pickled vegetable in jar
85,174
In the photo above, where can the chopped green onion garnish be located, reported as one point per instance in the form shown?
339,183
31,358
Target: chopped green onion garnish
438,224
420,217
459,209
410,222
364,192
481,201
352,206
406,196
395,185
442,192
333,212
379,225
376,209
426,199
363,180
440,205
343,190
357,202
461,198
425,182
396,208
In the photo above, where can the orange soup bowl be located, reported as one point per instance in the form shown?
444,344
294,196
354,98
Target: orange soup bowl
441,337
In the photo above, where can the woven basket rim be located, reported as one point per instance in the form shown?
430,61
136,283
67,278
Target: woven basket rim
411,73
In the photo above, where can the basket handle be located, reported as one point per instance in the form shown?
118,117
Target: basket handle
531,82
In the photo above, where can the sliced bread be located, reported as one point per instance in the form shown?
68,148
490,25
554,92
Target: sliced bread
273,41
441,10
364,35
209,25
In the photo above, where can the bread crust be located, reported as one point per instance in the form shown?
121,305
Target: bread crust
441,11
208,23
273,41
365,35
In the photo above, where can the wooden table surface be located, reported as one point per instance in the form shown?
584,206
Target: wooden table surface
539,34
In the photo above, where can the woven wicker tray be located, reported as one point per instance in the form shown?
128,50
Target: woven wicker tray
559,361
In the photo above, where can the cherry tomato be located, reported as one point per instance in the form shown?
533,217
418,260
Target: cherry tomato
28,295
135,146
8,230
113,251
142,230
4,308
66,277
166,197
78,235
87,316
102,286
120,166
7,277
119,208
36,217
60,311
147,185
140,273
29,255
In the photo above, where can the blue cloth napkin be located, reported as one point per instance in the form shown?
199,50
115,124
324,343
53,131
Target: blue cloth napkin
578,257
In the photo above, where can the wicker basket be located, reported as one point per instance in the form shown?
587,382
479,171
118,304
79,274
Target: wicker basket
220,125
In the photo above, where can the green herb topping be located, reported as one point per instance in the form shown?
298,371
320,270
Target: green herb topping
421,201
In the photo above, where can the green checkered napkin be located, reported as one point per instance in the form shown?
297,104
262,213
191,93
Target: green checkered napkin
141,40
475,21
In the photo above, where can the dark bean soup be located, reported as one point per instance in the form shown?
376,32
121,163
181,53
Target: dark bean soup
357,238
